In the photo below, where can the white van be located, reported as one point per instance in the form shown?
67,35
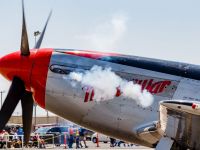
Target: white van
102,138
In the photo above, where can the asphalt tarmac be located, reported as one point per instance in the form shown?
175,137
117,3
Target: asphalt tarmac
92,145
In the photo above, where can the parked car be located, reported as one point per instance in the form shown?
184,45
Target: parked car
52,130
101,137
54,134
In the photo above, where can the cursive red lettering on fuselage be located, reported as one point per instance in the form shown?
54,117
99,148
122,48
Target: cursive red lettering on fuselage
151,86
118,92
92,95
89,93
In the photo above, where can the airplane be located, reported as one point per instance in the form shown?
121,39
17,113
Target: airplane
170,122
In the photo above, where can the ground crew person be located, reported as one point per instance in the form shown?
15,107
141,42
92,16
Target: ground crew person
77,139
71,137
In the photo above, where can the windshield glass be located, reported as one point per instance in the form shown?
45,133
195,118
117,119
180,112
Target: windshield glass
64,129
42,130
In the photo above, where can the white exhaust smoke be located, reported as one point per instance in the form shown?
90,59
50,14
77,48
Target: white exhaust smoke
106,83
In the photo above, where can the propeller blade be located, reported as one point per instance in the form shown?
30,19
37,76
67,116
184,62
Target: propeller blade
27,112
24,38
14,95
39,42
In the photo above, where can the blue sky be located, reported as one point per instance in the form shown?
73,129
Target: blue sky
152,28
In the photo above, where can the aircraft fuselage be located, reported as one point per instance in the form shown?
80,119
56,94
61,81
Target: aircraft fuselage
119,117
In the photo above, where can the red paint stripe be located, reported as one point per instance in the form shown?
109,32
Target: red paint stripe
90,54
39,75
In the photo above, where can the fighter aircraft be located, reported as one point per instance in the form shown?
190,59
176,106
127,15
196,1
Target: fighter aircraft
172,121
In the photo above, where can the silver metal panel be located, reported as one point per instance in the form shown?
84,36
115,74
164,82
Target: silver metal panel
118,117
188,90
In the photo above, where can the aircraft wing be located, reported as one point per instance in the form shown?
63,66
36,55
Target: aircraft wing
178,124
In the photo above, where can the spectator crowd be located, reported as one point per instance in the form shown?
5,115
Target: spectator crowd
12,137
